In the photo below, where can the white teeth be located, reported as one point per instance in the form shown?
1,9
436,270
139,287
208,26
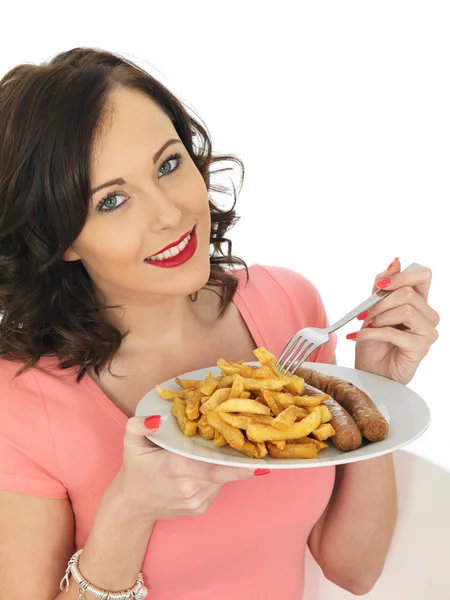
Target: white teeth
171,251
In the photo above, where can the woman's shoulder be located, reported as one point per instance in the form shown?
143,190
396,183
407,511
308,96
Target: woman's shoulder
276,302
279,284
27,455
25,397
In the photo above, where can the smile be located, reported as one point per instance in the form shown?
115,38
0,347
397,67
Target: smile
177,253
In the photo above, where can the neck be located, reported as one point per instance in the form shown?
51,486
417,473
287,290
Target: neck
163,322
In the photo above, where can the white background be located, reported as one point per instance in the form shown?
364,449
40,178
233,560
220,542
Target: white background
341,113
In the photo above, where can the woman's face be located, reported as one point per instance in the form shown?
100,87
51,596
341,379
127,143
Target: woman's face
147,195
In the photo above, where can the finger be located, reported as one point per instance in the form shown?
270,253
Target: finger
223,475
405,296
136,430
393,268
408,315
418,278
417,345
180,466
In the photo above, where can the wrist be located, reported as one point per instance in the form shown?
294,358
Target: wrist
124,507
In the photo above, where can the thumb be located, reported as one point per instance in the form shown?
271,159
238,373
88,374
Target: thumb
137,430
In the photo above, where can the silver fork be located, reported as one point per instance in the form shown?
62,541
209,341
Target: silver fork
307,340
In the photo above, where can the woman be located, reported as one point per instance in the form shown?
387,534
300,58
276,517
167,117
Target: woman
107,287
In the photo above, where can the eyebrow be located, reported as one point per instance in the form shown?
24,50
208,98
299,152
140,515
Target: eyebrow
121,181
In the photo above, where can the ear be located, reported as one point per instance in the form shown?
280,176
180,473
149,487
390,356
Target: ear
70,255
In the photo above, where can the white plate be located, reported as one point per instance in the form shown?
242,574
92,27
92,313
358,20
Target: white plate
407,414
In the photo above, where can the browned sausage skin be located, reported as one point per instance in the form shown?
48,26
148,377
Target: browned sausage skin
347,434
370,421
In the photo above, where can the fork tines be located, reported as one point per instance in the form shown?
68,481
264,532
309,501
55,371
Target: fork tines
294,354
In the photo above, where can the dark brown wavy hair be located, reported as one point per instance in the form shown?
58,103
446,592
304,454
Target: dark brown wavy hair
49,116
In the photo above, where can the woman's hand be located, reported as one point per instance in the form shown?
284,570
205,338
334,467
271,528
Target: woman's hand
157,484
398,331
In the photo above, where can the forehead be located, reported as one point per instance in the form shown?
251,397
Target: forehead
132,124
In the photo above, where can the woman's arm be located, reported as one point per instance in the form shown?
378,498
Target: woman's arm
37,539
351,539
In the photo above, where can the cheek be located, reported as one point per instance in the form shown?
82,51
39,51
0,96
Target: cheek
107,246
195,194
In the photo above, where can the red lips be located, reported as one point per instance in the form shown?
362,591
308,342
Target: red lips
181,258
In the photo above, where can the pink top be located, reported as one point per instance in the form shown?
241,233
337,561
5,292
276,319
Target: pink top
59,438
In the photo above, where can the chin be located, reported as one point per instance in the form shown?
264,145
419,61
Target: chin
184,280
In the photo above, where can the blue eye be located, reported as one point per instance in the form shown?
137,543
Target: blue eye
109,203
170,165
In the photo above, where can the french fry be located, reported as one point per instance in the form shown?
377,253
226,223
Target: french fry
271,402
205,430
193,405
187,383
261,449
309,440
265,357
226,381
228,368
276,383
296,385
253,450
287,417
292,451
280,444
219,396
238,387
247,395
262,433
323,432
246,371
219,440
209,386
304,401
262,373
284,399
325,413
188,428
233,435
244,406
243,421
239,421
171,394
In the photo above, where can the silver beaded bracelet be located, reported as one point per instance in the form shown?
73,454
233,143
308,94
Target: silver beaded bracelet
137,592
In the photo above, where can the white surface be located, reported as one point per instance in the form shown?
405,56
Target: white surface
417,565
407,414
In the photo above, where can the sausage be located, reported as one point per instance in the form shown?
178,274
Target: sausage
370,421
347,434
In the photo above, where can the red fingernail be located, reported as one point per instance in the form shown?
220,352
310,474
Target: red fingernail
153,422
351,336
383,282
370,324
262,472
393,262
363,315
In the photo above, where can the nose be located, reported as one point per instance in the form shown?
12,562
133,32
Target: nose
161,212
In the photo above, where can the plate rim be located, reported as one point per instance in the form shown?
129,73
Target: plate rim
246,462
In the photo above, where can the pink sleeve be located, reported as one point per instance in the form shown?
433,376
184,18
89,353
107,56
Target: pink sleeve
27,458
308,307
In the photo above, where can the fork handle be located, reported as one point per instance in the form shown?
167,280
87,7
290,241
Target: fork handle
371,301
